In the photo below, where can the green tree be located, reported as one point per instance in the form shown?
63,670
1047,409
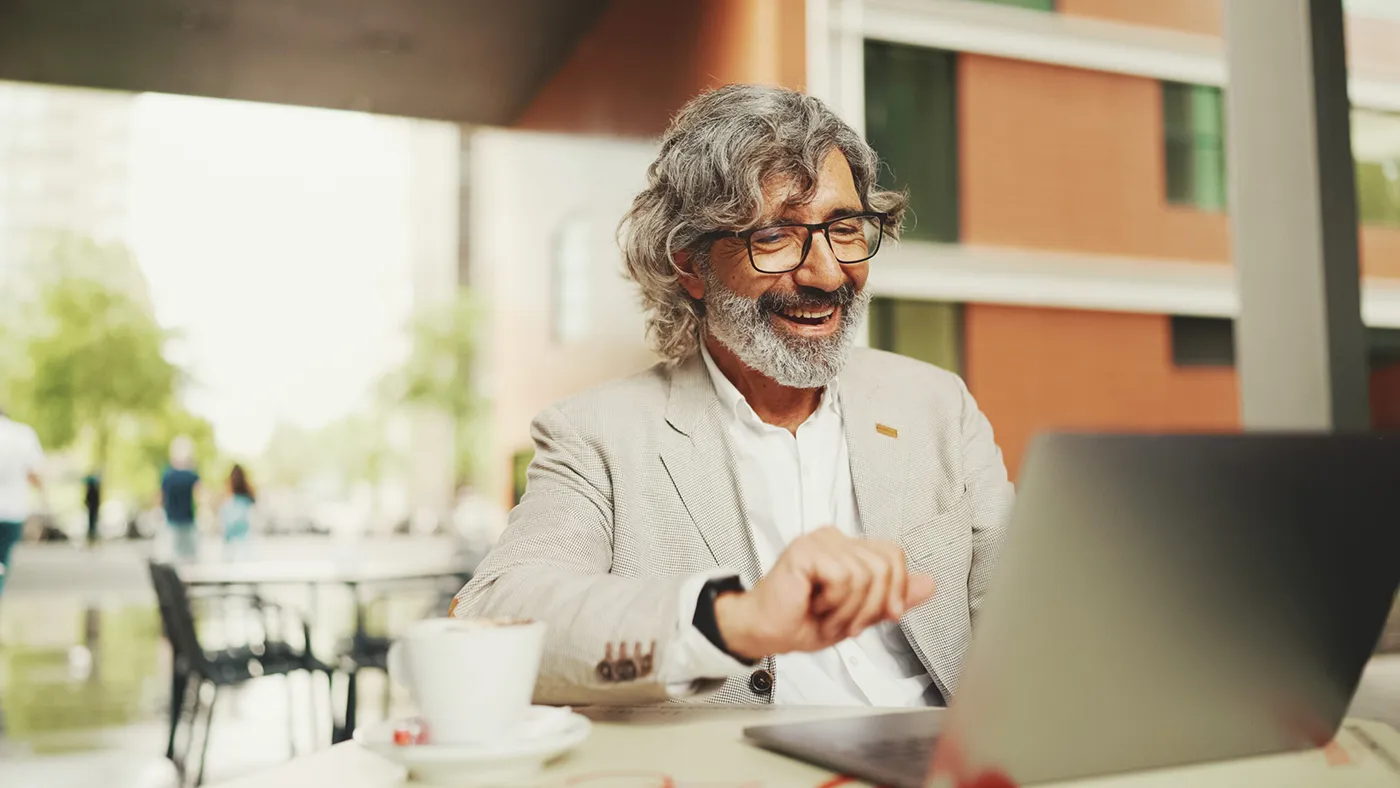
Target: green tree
94,350
440,374
350,449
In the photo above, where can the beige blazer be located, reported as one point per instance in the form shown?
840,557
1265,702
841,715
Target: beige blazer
633,489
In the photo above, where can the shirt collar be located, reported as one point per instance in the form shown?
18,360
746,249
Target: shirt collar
738,407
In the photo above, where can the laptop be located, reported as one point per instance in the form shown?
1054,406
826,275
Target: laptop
1160,601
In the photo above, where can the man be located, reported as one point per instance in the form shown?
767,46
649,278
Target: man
765,516
178,485
20,459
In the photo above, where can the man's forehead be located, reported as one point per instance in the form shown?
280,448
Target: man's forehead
789,193
807,205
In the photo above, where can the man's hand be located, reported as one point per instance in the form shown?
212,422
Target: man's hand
824,588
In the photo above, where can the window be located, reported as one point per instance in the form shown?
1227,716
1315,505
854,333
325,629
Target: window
1375,141
911,120
1194,118
1210,342
1034,5
1194,121
1203,341
926,330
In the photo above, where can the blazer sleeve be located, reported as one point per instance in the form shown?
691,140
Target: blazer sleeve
552,564
989,495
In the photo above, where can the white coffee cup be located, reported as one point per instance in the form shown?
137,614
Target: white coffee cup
472,679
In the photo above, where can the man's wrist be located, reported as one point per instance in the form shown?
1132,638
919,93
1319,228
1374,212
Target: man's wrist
735,622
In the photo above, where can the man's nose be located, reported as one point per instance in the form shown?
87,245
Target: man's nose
821,269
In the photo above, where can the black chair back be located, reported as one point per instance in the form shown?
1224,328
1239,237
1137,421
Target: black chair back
176,615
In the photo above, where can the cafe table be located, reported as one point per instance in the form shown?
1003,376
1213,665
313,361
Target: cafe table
352,572
703,747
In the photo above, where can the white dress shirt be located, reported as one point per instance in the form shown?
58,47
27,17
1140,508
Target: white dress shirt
792,485
20,455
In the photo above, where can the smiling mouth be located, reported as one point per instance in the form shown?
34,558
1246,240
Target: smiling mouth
809,316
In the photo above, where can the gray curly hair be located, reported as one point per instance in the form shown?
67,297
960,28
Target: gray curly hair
718,153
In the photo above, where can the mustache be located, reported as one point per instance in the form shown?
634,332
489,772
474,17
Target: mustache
808,298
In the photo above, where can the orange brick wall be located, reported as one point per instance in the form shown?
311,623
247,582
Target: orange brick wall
645,58
1072,160
1034,370
1190,16
1038,369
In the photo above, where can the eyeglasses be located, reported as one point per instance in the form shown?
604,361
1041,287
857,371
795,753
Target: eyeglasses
780,248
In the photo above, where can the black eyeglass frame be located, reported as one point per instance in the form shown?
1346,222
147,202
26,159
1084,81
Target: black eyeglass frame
825,228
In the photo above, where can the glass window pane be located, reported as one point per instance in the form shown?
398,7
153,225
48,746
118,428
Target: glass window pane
1180,146
1210,177
929,331
1193,118
911,120
1376,146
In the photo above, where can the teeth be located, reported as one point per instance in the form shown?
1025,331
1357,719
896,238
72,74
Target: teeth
809,314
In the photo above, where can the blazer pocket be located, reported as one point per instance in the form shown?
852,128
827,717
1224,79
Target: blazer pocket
940,543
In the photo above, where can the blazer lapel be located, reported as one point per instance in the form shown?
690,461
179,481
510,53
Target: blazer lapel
709,488
879,440
878,458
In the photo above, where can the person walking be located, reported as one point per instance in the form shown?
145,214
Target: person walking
92,501
178,486
236,515
20,459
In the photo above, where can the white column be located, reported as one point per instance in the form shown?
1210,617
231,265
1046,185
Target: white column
433,207
1301,344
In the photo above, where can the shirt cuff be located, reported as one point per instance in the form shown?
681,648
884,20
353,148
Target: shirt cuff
693,664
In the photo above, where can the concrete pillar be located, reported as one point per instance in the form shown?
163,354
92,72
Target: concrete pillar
1300,341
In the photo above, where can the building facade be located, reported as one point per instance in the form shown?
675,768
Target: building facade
65,167
1067,164
1068,250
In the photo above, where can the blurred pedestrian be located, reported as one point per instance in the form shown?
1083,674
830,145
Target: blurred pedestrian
236,515
20,459
178,486
92,499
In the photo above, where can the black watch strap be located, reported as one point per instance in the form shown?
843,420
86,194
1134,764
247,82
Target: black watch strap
704,619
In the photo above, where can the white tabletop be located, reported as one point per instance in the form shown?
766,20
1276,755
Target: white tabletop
102,769
679,747
318,572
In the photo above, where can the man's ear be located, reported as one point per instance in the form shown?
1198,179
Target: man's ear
691,280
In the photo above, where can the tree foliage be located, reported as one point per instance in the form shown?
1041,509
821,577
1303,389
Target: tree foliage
440,373
346,451
85,361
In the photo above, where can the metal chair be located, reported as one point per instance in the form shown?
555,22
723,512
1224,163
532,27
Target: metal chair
258,648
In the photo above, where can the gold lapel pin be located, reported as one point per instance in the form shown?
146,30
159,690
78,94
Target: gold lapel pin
886,430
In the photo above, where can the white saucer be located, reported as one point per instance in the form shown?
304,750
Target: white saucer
551,733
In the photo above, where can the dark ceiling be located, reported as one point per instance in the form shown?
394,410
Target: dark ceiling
470,61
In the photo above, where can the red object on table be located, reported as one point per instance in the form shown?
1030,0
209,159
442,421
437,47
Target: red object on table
410,732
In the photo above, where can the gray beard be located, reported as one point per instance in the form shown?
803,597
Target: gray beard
796,362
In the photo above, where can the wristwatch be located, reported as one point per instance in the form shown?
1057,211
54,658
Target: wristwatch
704,619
